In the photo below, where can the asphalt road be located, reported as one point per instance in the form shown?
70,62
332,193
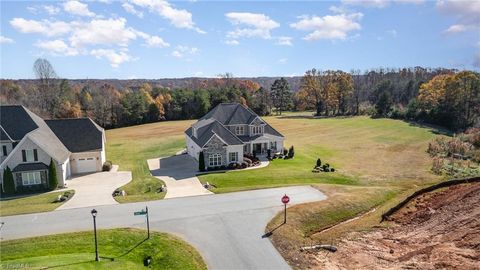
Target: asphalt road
226,229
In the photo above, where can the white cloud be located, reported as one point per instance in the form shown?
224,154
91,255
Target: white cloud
57,47
285,41
250,25
466,14
109,31
115,58
282,60
45,27
131,9
182,51
5,40
76,8
232,42
328,27
198,74
156,41
180,18
52,10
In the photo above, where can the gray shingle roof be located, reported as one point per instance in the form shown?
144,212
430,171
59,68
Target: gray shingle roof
78,134
16,122
25,167
231,114
206,129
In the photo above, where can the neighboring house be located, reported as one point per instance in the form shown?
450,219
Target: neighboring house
29,143
229,131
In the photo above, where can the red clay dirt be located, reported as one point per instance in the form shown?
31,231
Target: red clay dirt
437,230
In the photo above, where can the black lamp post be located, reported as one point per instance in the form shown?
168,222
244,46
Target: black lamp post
94,215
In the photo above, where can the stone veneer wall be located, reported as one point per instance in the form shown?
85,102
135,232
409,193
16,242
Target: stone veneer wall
215,146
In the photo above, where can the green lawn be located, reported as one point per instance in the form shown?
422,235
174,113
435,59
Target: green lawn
30,204
131,147
118,249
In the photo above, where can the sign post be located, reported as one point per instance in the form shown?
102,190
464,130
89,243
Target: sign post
285,200
144,213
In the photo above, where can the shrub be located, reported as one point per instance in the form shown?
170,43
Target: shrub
244,165
319,162
326,167
269,153
201,162
332,169
291,152
52,176
8,184
248,161
107,166
285,152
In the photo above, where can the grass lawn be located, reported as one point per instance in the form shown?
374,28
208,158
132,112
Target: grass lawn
118,249
30,204
130,148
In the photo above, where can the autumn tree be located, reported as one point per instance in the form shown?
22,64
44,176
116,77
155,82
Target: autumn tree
311,90
46,75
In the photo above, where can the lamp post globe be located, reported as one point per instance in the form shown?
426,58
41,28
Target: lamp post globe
94,215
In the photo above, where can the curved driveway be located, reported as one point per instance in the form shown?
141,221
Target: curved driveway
226,229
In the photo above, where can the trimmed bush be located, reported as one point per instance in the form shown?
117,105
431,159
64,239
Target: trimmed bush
319,162
269,153
332,169
201,162
248,161
285,152
244,165
107,166
291,152
52,176
8,184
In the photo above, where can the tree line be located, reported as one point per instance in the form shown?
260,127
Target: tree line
440,96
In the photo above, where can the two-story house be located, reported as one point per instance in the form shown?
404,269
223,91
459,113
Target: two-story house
29,143
227,132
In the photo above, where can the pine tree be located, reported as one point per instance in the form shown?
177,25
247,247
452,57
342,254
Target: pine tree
8,184
291,152
201,162
52,176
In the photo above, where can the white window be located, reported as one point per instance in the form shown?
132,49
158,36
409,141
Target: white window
31,178
239,130
256,130
214,160
233,156
30,157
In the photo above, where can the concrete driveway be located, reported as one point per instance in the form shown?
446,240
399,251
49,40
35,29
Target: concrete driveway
179,174
226,229
95,189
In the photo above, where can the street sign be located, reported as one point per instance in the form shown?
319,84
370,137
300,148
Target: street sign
139,213
285,199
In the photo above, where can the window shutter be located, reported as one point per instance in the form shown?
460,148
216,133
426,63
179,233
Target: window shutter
24,156
35,155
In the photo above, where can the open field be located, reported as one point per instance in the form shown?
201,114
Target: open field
130,148
31,203
118,249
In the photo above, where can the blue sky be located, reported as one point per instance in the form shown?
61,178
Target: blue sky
160,39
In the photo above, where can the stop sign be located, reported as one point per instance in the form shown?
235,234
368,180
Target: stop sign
285,199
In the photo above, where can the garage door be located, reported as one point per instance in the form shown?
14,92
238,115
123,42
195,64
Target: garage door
85,165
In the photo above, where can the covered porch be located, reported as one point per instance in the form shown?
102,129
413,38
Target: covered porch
261,147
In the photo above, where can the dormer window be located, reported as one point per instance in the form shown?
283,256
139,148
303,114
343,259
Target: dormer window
239,130
257,130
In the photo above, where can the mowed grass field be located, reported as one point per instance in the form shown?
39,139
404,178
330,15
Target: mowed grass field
118,249
33,203
130,148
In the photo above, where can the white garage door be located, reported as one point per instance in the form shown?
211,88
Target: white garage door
85,165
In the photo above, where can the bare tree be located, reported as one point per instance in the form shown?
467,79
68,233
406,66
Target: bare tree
46,75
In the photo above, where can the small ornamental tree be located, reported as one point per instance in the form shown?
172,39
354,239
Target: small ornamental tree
201,162
8,184
52,176
319,162
291,152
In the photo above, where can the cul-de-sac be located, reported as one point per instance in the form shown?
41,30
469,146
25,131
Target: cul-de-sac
265,135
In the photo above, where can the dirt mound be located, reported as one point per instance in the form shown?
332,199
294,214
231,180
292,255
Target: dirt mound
438,230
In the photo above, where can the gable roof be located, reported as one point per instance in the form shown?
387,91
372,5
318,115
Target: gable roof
77,134
231,114
207,128
16,122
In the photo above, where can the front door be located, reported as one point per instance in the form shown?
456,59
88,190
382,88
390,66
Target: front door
258,148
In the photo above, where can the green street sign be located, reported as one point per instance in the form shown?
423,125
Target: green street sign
139,213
